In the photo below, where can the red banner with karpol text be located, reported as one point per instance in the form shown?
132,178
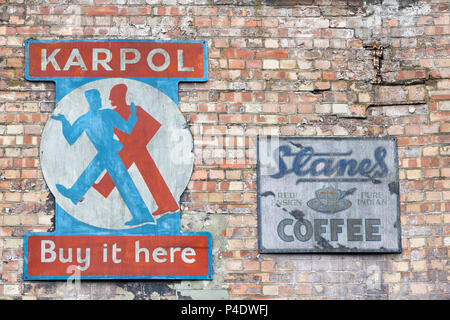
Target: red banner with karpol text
116,59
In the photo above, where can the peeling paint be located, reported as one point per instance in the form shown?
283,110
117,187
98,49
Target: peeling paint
393,187
323,243
297,214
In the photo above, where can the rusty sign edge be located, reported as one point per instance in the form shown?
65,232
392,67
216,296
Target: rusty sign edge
263,250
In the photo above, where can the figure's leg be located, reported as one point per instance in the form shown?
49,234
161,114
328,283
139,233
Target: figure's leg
155,182
84,181
127,189
105,186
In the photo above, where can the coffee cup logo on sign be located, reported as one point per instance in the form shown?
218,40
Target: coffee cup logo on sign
330,200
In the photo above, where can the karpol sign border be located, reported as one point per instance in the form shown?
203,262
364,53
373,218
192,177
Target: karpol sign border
117,155
106,257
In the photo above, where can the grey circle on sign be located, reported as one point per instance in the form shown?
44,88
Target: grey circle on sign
171,149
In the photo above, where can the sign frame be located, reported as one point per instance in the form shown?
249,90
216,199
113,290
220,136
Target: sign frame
68,226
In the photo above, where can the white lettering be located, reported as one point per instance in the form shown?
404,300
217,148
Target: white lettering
159,252
172,253
48,255
50,250
74,60
166,63
105,252
61,255
50,59
86,260
103,62
123,57
115,250
188,252
181,66
138,251
106,59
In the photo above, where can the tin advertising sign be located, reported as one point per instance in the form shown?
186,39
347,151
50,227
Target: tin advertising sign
328,195
117,154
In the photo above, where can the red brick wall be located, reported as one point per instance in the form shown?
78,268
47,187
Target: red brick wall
289,68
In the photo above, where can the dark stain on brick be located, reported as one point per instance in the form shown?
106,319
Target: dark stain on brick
50,203
186,197
4,15
403,4
21,231
15,186
181,297
27,287
144,290
30,186
18,208
49,208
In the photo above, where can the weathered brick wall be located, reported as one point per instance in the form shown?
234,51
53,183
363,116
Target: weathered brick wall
291,68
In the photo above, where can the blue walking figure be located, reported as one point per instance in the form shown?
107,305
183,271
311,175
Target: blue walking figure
99,126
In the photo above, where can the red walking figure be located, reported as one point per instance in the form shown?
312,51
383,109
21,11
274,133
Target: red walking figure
135,151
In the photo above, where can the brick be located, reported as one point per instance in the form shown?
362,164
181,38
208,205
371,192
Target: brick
340,108
401,266
202,22
312,23
417,242
236,64
107,10
271,64
321,43
271,43
419,265
253,64
444,127
268,266
251,266
270,290
11,290
220,22
410,74
238,53
234,265
391,277
430,151
242,289
288,64
305,290
328,75
273,54
396,130
418,288
416,93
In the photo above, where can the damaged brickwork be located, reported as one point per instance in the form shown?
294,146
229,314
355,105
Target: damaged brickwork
374,68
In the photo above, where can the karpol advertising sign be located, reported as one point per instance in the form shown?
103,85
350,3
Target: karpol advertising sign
328,195
117,154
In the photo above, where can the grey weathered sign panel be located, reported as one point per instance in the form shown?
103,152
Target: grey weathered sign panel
328,195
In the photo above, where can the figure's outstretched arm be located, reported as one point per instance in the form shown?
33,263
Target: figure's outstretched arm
123,125
70,132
